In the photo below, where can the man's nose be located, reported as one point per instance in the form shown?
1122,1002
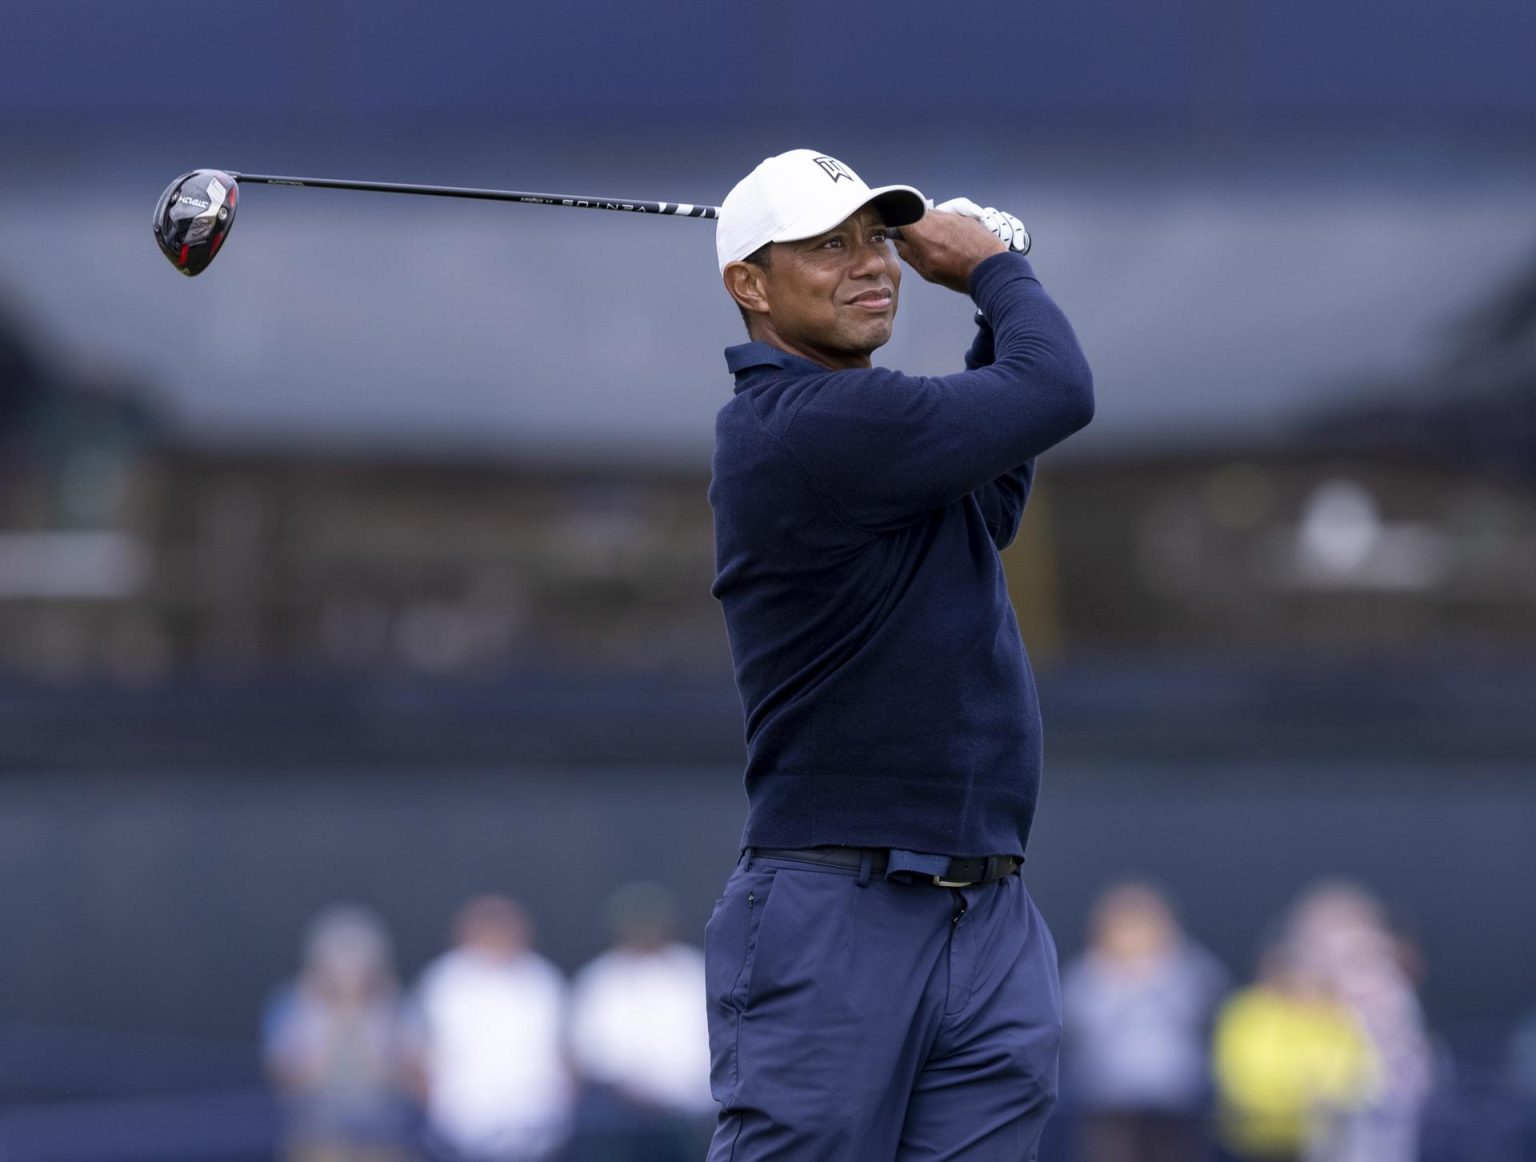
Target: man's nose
870,259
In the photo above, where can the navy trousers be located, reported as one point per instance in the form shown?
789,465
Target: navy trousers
858,1019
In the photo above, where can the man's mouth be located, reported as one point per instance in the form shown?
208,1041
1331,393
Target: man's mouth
873,301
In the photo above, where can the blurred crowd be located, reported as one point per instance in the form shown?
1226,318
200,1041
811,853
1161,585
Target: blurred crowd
493,1056
1322,1058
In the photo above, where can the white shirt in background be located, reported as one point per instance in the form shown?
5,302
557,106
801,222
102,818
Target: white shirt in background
638,1024
492,1034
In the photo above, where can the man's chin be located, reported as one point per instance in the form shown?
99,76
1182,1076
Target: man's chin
877,335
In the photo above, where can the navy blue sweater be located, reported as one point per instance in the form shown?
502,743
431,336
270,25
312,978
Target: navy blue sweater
858,519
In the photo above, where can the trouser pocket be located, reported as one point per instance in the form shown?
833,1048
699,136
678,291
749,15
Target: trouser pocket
731,937
730,951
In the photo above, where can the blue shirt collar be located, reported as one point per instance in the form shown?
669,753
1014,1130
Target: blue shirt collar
746,357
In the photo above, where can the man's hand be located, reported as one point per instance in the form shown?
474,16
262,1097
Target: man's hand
1009,230
945,248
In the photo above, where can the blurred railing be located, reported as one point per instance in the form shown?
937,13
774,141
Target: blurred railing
81,1095
1150,707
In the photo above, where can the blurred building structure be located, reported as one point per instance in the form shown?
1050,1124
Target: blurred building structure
351,563
229,562
127,553
1474,405
1342,552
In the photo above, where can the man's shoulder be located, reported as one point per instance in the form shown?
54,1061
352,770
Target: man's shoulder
769,385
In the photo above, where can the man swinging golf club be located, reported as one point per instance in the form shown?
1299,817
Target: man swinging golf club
881,986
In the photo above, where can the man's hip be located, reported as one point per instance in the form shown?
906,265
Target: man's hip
854,1016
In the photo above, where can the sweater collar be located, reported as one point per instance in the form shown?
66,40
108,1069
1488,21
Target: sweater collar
745,358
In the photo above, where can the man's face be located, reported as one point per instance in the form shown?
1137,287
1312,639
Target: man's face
832,298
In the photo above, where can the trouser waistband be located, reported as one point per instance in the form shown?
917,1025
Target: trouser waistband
959,873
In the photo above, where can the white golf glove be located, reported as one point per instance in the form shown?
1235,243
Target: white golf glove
1009,230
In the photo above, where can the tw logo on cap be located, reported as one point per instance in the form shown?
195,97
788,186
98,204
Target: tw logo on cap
835,169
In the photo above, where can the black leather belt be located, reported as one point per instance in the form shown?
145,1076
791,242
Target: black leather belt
961,873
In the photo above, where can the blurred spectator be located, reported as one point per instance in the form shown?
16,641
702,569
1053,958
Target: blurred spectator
1137,1010
334,1046
1522,1076
1289,1061
640,1040
1522,1056
1340,930
492,1016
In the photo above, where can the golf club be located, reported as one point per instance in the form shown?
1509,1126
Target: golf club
196,212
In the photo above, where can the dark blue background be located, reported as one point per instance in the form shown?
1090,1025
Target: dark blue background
719,62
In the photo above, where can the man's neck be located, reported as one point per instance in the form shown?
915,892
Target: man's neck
832,360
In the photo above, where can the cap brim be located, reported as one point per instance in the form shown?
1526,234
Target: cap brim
898,206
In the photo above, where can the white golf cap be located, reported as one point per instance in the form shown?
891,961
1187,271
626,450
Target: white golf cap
801,194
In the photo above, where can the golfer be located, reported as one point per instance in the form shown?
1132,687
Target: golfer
881,985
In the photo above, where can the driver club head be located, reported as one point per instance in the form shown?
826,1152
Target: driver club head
194,216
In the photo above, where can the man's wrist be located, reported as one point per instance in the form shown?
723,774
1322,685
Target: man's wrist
995,270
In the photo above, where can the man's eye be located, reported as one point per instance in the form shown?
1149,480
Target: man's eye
879,236
832,242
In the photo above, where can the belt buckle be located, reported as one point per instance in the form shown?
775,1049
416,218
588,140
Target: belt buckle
941,882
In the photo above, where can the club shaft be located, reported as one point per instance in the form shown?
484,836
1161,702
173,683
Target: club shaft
574,201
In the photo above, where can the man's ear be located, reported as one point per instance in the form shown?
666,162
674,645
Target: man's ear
747,284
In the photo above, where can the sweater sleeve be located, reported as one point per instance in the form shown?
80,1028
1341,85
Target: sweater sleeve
889,447
1002,500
